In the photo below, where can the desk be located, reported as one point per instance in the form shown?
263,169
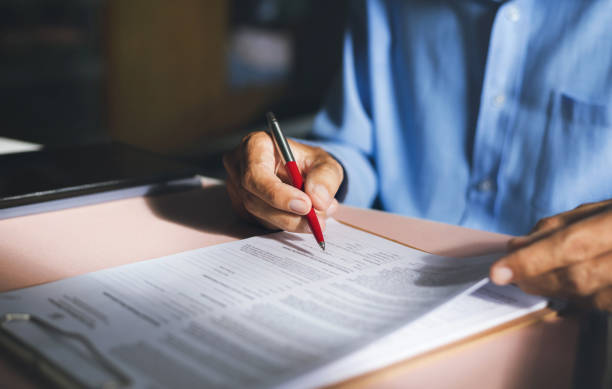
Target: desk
50,246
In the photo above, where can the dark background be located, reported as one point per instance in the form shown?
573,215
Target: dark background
185,79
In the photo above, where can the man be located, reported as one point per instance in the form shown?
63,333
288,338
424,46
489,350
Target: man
486,114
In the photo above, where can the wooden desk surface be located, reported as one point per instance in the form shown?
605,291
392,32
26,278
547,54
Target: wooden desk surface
50,246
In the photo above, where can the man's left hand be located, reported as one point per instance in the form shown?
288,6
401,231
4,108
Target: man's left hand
568,255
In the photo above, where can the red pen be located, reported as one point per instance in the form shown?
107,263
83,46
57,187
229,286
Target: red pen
294,172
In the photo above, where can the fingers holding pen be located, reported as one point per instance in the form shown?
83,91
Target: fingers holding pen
252,207
323,178
273,218
252,170
264,186
279,205
257,192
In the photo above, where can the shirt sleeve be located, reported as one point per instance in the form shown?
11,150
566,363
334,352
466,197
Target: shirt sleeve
344,127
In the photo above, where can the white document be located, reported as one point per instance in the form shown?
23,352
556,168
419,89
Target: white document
267,311
464,316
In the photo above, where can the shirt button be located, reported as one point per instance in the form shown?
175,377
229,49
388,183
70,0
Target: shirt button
513,14
485,185
499,100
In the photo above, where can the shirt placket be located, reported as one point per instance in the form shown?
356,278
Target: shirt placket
498,104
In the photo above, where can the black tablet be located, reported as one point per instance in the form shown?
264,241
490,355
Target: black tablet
91,173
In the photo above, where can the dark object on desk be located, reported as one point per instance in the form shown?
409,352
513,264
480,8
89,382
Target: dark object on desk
39,181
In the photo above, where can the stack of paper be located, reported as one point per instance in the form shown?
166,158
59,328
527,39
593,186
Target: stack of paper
267,311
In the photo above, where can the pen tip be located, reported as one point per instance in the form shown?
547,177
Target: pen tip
322,244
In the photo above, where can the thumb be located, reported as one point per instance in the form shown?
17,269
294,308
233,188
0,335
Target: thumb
323,179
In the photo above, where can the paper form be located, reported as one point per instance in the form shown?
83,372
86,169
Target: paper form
253,313
464,316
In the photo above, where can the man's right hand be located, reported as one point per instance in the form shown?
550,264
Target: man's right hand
260,187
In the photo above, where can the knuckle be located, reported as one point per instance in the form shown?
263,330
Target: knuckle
334,162
325,172
339,169
549,223
244,143
247,138
334,167
579,281
319,152
255,139
247,143
259,135
526,267
572,245
521,264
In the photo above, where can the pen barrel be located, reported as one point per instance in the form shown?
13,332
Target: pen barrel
296,176
294,173
298,182
315,227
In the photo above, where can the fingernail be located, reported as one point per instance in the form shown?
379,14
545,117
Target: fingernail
298,206
502,275
321,193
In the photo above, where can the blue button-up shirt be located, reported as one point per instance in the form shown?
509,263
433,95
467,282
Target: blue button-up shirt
485,114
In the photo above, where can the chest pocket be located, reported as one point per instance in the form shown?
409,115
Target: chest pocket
575,163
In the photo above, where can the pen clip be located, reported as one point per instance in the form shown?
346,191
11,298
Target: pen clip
279,139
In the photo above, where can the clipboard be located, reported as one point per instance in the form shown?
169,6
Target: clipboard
111,377
64,378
